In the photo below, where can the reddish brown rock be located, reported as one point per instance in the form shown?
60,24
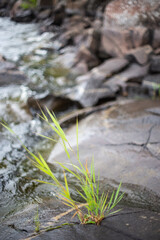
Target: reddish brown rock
132,13
117,42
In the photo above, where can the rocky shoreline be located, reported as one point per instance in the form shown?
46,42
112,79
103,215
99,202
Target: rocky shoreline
112,48
110,56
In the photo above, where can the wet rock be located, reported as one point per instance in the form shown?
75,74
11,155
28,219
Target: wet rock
117,42
91,87
4,13
129,224
12,77
23,16
140,55
14,112
155,64
119,138
132,13
156,38
8,232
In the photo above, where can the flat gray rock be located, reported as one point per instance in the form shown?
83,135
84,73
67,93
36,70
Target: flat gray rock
124,141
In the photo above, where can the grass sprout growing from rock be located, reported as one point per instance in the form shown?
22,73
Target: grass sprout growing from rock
37,222
96,206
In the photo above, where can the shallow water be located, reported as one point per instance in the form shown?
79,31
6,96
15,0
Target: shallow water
33,53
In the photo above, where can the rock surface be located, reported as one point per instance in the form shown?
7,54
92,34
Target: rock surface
129,224
134,12
124,141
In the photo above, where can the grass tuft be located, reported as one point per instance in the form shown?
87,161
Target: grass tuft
97,206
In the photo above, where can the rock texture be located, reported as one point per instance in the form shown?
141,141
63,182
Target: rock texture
125,143
133,12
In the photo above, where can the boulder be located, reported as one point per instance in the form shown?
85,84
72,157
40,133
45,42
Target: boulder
129,24
117,42
126,13
12,77
23,15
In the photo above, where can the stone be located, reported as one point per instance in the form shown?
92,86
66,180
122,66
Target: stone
4,13
8,232
80,68
91,89
117,42
120,138
128,224
93,40
84,54
76,7
5,65
155,110
134,73
126,13
111,66
140,55
14,112
23,16
12,77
